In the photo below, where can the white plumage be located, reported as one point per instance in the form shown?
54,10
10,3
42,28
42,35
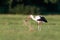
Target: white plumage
38,19
35,18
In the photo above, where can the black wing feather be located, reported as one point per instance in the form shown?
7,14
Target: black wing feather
43,19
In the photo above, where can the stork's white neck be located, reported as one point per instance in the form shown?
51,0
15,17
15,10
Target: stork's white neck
32,17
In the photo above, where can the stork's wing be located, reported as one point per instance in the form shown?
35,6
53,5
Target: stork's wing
44,19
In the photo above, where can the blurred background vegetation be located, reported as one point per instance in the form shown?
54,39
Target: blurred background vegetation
25,6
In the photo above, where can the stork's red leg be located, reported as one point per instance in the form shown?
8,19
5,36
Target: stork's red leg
39,25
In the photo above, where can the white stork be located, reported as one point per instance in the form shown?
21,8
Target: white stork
38,19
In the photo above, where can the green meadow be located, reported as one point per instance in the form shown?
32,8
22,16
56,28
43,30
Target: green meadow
12,27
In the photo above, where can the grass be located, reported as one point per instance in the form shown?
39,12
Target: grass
12,28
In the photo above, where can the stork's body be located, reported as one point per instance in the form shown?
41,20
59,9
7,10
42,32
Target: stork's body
38,19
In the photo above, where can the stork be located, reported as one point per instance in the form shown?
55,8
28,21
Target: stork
39,19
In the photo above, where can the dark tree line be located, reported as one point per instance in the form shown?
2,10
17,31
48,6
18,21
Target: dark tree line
43,5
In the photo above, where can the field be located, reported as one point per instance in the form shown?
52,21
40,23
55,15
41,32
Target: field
12,28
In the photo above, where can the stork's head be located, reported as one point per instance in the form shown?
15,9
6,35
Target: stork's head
31,16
